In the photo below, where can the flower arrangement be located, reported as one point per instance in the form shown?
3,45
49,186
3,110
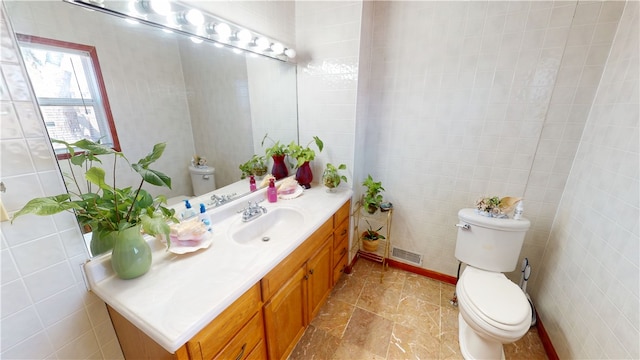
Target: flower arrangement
495,206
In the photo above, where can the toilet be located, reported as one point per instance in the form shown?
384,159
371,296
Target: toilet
202,179
493,310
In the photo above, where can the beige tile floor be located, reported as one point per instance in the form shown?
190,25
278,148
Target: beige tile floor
406,316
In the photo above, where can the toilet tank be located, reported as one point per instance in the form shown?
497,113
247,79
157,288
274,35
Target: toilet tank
202,179
487,243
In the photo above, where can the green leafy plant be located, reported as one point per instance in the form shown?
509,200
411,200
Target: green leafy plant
304,154
276,149
331,178
103,206
371,235
372,197
255,166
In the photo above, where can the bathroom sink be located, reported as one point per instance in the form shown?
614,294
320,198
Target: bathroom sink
275,226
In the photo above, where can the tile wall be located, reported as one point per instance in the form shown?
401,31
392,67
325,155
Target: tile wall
209,74
467,100
46,310
588,290
328,41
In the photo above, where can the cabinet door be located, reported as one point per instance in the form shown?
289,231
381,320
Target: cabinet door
285,316
320,271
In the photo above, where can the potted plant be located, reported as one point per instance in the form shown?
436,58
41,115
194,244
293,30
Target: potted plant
370,238
114,214
277,152
303,155
331,178
255,166
372,197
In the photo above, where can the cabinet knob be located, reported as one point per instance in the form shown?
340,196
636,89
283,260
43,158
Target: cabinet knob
306,277
344,251
239,357
311,271
344,232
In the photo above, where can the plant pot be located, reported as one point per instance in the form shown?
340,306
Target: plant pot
260,172
279,169
331,180
131,256
370,245
101,241
304,176
371,208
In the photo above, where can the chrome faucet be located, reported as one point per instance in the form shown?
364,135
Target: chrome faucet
252,211
218,200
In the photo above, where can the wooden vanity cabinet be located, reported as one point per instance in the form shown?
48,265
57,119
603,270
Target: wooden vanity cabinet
341,241
237,333
295,290
268,320
234,334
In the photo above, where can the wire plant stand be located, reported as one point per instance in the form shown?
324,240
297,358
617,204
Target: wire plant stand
378,219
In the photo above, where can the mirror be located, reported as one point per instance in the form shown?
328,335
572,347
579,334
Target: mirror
163,87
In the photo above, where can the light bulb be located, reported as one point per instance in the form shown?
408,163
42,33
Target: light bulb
195,40
131,21
223,30
277,48
160,7
290,53
195,17
244,36
262,43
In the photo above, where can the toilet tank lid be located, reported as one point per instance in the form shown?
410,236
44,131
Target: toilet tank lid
201,170
472,217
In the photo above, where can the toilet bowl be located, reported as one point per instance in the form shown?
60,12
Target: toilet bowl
493,310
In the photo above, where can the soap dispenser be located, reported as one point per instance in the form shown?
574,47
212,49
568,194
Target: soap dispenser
204,217
272,192
188,212
252,183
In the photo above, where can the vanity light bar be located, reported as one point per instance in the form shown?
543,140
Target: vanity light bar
181,18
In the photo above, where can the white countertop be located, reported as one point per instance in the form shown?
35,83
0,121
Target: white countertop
181,294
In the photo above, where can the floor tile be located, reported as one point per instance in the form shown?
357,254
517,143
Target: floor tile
375,315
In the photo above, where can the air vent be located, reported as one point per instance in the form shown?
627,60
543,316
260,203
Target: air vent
406,255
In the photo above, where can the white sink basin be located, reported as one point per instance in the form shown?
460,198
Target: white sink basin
276,225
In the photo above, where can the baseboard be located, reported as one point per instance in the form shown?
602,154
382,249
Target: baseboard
546,341
544,336
422,271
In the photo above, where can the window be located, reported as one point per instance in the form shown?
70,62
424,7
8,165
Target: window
68,83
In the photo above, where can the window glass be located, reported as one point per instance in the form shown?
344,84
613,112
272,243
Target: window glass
71,96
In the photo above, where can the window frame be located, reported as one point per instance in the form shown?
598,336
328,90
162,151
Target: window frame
99,85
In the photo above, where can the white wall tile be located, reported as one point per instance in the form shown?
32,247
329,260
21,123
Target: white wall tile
19,326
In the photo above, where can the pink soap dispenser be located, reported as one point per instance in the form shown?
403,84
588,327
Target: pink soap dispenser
272,192
252,183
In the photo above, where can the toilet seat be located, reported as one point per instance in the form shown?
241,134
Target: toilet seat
493,303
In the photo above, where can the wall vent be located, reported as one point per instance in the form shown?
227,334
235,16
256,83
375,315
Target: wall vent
406,255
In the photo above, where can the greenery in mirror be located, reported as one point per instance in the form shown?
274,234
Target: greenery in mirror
276,149
372,197
104,207
277,152
257,166
331,178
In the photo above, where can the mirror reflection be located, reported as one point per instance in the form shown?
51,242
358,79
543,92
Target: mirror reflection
160,87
